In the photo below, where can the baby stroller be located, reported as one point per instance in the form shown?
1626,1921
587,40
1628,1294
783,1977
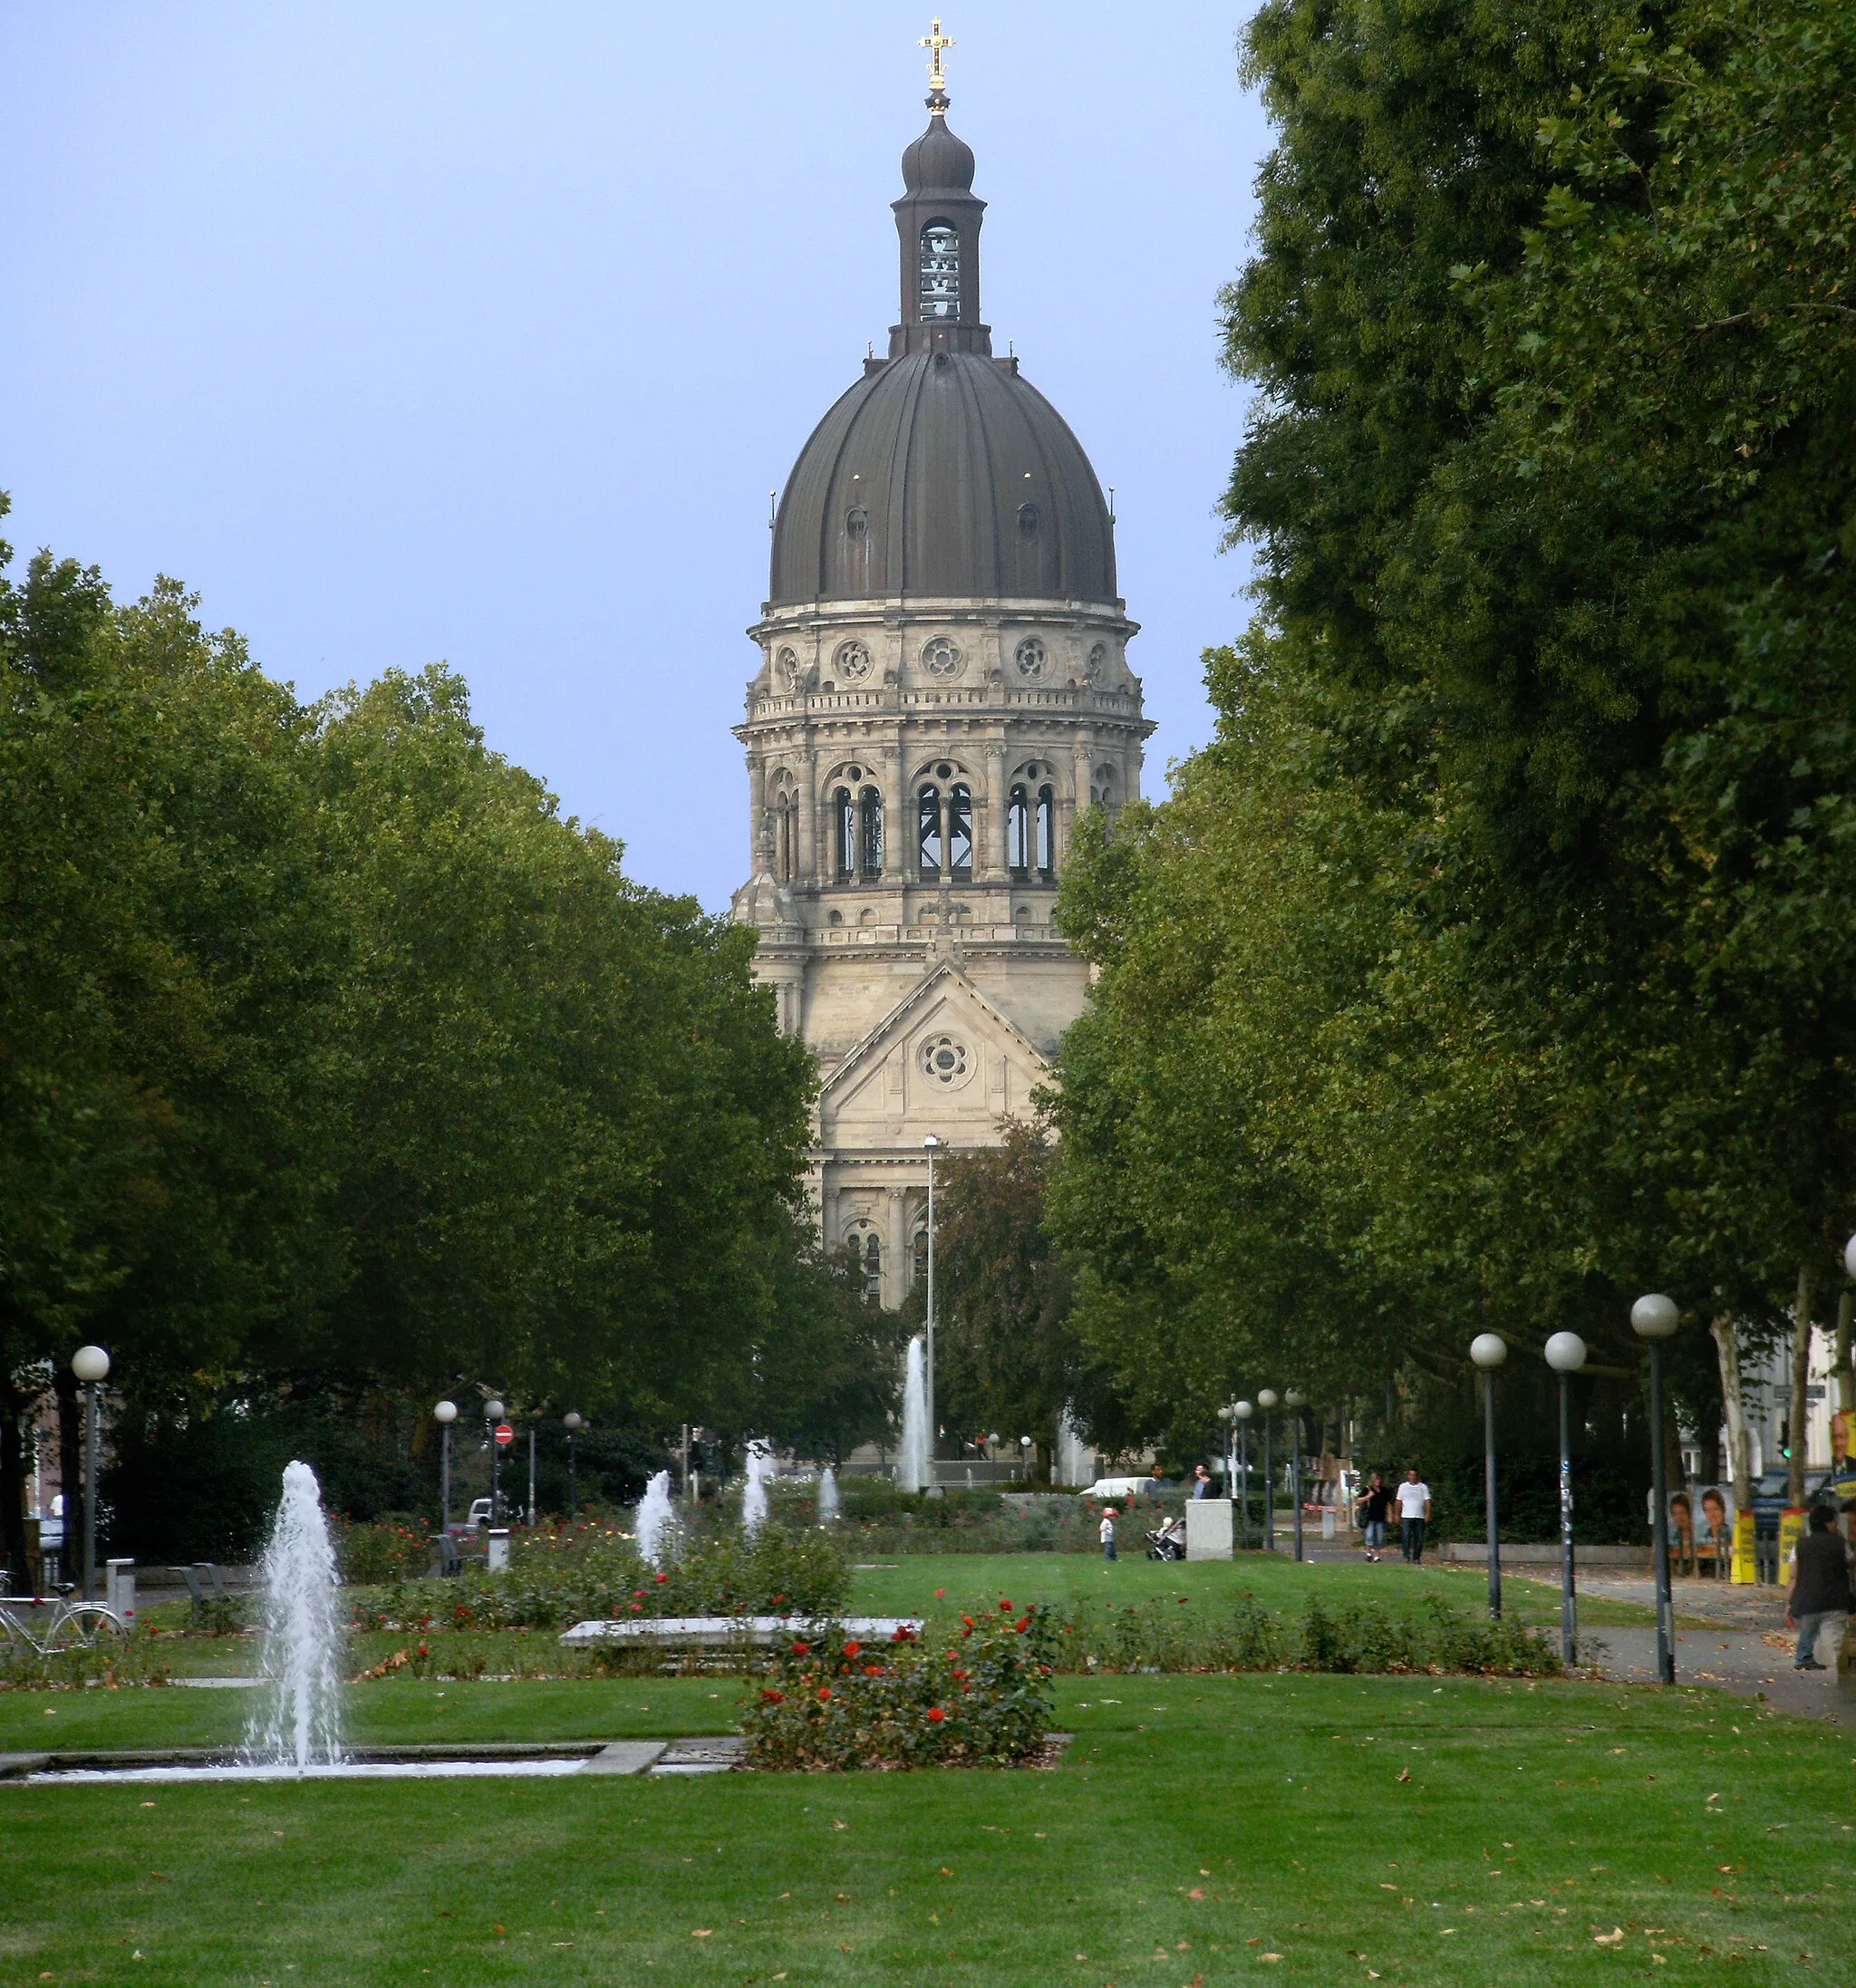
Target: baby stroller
1167,1542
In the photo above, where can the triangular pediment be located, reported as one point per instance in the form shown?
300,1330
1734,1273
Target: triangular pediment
944,1055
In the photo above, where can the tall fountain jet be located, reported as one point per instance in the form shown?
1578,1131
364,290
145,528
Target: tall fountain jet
299,1724
754,1492
911,1459
655,1520
827,1497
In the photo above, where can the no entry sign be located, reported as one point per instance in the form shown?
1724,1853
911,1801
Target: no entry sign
504,1435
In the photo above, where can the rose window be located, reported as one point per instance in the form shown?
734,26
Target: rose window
854,661
944,1059
942,658
1033,659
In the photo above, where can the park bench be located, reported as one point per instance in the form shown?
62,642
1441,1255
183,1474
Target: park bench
451,1562
200,1576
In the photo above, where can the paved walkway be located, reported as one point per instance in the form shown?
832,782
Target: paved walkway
1749,1664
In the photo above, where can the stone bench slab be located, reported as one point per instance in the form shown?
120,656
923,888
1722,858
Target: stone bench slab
729,1631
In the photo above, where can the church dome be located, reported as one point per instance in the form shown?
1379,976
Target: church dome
942,473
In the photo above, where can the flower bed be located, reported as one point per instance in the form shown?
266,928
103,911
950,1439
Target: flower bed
981,1698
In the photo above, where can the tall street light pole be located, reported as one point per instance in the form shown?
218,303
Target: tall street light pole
575,1423
1566,1355
445,1414
930,1146
1266,1401
1488,1350
1293,1401
1654,1318
493,1413
92,1367
1244,1411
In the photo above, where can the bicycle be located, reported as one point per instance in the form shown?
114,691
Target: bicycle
48,1624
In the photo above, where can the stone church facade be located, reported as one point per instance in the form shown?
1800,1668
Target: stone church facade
943,687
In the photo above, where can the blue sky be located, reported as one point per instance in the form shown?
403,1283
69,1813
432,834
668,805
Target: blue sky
405,331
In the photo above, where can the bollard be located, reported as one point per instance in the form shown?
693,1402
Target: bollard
498,1548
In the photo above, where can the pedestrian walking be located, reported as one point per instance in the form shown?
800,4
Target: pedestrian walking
1414,1514
1820,1596
1107,1530
1375,1508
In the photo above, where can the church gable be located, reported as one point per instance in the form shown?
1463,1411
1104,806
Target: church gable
945,1058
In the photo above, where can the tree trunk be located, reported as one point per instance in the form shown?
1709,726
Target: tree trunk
1844,1396
13,1402
1726,1339
1798,1420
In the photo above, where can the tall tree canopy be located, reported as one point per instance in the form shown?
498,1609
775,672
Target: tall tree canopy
1495,961
332,1057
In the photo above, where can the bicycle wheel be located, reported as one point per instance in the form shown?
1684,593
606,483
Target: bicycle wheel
83,1625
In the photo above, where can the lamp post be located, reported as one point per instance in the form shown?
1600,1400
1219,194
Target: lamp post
445,1414
574,1421
92,1365
1266,1401
1025,1458
1488,1350
930,1146
1293,1401
493,1413
1566,1355
1654,1318
1244,1411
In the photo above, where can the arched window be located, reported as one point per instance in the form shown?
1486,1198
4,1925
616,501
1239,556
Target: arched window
918,1261
872,1267
844,833
1047,834
870,833
941,272
928,832
1018,835
960,835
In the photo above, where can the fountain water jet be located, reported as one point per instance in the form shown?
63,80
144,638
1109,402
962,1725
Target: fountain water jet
827,1497
301,1659
911,1459
655,1520
754,1492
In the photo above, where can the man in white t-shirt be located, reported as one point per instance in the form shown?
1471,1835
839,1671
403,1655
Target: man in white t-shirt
1414,1514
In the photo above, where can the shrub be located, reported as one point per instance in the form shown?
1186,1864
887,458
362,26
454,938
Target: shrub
981,1698
392,1549
561,1575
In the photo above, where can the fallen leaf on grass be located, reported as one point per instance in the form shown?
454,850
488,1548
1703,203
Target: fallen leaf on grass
1615,1937
1269,1956
1404,1773
700,1932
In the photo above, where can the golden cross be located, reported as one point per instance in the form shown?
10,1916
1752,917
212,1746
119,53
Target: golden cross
934,40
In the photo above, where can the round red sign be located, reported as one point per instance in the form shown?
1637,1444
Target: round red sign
505,1434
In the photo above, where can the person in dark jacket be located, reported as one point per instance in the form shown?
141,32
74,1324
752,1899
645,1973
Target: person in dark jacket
1819,1597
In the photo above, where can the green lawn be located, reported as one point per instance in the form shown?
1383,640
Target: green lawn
1198,1829
907,1585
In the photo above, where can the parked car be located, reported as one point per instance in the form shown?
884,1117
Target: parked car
1769,1498
478,1515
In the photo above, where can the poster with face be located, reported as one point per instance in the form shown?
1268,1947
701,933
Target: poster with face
1716,1522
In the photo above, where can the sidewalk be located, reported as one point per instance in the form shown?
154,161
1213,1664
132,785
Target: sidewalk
1747,1664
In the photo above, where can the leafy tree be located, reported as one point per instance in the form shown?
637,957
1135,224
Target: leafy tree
1495,962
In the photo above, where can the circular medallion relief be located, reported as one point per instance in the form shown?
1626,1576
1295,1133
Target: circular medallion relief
944,1060
941,659
1032,658
853,661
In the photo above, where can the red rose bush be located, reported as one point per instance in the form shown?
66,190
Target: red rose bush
980,1697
